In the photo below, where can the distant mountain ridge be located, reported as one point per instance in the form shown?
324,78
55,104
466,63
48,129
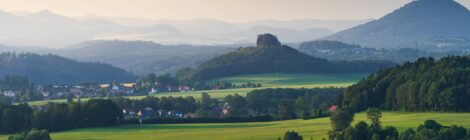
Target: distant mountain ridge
48,29
335,50
53,69
270,56
414,22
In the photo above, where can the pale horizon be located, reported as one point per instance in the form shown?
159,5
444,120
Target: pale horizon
225,10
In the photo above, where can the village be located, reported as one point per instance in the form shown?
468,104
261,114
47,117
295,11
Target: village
52,92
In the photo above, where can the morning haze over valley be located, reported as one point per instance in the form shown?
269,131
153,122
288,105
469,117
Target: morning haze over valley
235,70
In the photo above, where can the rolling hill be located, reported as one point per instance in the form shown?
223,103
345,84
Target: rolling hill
270,56
140,57
52,69
415,22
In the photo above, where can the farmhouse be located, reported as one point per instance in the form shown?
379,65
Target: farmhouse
9,93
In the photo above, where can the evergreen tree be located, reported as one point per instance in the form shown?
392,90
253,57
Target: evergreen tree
286,110
302,108
374,115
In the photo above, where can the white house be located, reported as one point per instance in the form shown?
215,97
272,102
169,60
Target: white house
9,93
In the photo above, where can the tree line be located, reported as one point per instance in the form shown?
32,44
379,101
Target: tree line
186,105
59,116
424,85
289,103
281,104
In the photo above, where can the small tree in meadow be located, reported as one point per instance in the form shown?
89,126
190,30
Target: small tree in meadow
341,119
374,115
292,135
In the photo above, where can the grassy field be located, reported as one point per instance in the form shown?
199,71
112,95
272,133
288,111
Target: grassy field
315,128
267,80
288,80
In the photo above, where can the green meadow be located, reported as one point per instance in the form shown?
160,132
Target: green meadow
315,128
267,81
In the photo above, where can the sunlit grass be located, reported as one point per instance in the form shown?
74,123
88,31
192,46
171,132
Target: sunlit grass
315,128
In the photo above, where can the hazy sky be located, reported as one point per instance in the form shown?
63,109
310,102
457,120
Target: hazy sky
228,10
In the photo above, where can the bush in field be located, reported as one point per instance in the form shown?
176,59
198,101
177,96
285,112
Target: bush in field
32,135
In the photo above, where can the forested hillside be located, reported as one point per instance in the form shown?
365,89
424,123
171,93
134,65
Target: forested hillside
270,56
52,69
425,85
336,50
142,57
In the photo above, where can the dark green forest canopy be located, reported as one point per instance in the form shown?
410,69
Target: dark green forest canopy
271,57
52,69
424,85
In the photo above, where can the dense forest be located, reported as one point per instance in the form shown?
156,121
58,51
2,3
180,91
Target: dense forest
92,113
270,56
56,117
52,69
424,85
287,103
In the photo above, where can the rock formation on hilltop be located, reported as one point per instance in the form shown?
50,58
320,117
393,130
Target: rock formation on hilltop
267,40
270,56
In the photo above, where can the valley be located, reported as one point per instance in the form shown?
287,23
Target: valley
267,80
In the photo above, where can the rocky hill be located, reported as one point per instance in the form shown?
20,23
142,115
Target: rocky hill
270,56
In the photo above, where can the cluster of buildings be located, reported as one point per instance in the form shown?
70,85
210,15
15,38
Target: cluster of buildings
149,112
60,92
